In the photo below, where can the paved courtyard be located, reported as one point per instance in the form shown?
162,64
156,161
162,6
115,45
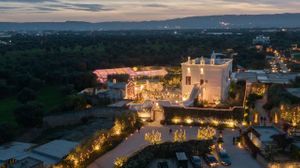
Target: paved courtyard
240,157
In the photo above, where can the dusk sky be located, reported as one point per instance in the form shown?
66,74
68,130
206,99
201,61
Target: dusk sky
135,10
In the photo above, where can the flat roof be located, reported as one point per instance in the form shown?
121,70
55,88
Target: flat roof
197,61
27,162
294,91
103,73
57,148
262,77
266,132
49,153
13,150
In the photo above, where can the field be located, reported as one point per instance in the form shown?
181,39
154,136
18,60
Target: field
49,96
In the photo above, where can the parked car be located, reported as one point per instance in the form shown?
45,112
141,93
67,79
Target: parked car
196,161
162,165
210,160
224,158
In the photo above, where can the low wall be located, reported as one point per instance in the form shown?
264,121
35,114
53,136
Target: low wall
235,113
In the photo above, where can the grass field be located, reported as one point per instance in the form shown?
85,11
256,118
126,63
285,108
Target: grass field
49,96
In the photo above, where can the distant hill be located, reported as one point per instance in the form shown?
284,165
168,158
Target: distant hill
197,22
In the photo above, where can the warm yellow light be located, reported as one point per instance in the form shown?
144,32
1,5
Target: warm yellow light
188,120
179,135
231,124
244,123
215,122
118,127
276,118
294,124
135,68
176,120
119,162
255,118
220,146
240,145
97,147
205,133
153,137
189,70
118,132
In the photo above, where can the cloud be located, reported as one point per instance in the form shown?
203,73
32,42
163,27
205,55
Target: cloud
38,6
46,9
86,7
4,8
135,10
156,5
28,1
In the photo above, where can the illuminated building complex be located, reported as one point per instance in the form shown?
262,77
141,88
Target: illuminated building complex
206,79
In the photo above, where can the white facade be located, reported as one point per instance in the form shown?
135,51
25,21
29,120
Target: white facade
210,76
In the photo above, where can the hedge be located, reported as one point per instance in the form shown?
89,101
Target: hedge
221,114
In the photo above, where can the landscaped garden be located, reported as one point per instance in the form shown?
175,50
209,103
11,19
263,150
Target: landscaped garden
103,141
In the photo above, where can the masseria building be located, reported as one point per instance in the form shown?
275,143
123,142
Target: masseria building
207,79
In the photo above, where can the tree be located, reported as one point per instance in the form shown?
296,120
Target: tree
29,115
282,140
75,102
6,132
179,135
252,99
205,133
26,95
153,137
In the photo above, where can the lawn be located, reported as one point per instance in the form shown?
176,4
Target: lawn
49,96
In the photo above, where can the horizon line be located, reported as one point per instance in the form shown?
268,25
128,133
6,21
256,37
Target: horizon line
151,20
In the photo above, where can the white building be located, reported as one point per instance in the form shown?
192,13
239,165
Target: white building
205,79
261,40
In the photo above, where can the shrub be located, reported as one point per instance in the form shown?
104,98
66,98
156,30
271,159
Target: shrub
7,132
29,115
26,95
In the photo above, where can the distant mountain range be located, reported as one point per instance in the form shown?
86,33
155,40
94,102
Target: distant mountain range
196,22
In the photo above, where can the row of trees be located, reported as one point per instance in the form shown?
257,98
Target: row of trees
67,58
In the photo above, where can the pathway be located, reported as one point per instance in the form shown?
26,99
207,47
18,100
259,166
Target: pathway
259,107
136,142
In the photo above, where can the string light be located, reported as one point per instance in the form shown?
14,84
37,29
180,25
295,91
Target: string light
179,135
205,133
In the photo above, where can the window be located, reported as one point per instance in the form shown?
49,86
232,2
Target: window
201,81
188,70
188,80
